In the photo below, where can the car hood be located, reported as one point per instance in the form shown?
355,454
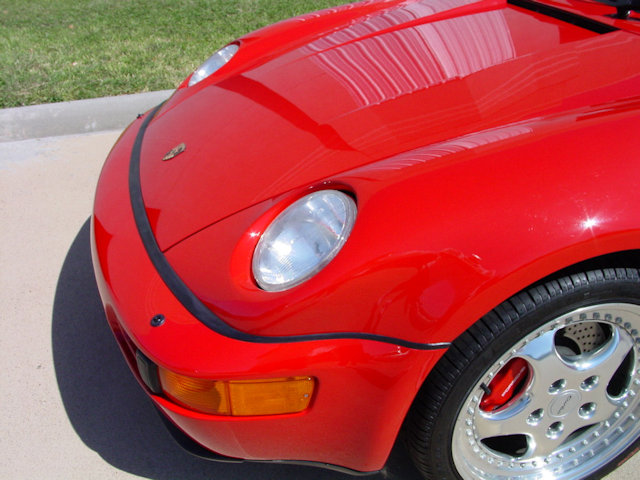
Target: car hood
361,87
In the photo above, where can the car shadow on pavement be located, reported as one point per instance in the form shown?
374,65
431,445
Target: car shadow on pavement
109,410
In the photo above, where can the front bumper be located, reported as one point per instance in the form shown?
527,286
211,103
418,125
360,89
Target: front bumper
364,387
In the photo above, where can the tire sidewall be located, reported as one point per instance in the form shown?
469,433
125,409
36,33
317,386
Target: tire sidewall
442,439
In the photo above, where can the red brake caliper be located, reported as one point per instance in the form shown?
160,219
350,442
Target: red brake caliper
505,385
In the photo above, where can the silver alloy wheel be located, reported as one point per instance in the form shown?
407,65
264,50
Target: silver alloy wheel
575,411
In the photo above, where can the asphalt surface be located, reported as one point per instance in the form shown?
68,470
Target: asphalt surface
70,407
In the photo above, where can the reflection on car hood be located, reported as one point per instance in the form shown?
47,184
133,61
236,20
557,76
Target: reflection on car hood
383,84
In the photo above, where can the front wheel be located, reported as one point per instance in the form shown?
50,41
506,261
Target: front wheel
544,386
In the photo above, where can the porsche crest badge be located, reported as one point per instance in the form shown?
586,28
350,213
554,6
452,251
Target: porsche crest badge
174,152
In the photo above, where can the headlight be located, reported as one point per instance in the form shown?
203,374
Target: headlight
213,63
303,239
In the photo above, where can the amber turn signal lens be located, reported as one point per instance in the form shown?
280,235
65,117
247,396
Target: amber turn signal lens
205,396
274,396
270,397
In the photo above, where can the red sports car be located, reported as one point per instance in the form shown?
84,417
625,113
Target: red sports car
400,219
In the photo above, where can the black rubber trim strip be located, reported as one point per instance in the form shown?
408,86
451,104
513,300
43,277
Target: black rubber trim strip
148,373
193,303
565,16
194,448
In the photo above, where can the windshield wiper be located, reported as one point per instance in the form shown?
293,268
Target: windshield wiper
623,7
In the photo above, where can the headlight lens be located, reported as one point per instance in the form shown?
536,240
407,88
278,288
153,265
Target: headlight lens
213,63
303,239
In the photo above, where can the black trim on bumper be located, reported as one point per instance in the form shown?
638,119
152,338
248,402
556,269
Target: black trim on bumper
148,373
192,303
194,448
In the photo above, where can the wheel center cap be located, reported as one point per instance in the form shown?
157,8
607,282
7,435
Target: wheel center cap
564,403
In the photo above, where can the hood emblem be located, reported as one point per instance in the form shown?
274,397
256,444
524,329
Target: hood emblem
174,152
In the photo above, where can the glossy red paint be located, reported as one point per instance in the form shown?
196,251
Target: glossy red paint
598,12
487,147
559,130
392,88
442,276
364,387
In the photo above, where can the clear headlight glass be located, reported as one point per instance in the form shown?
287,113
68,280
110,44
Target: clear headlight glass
213,63
303,239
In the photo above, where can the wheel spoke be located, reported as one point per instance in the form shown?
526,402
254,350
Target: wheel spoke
512,421
545,442
550,436
598,405
569,391
563,398
547,365
607,359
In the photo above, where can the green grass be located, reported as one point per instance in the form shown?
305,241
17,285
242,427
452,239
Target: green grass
58,50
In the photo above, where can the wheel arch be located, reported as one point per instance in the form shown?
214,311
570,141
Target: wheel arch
574,280
598,253
619,259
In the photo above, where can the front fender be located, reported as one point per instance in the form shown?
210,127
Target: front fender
444,233
486,215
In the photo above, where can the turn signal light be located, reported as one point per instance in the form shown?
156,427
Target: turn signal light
195,393
273,396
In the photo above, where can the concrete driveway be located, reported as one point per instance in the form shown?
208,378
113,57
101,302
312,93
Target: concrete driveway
70,407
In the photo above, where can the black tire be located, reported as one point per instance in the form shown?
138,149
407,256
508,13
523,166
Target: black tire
456,429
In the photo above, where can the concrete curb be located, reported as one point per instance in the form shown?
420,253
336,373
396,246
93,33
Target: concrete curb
80,116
